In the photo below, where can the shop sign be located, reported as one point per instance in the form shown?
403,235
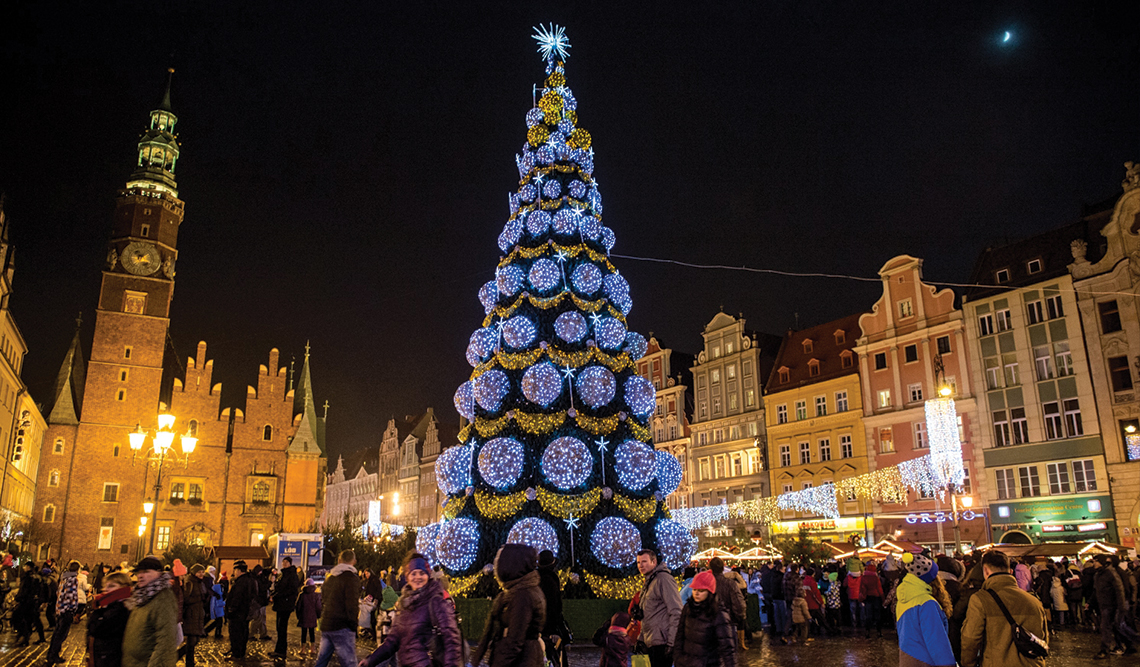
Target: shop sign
840,525
1073,527
1056,511
940,517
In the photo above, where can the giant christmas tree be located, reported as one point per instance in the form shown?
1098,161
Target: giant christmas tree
557,452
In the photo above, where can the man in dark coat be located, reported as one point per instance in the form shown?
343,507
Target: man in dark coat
339,612
553,634
195,600
27,616
243,590
1110,598
284,600
729,597
517,614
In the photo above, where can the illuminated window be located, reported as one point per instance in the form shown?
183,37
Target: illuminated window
53,478
178,491
162,538
886,440
57,448
884,398
194,492
267,432
906,309
261,492
192,428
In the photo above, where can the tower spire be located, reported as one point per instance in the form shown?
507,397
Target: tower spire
164,105
158,149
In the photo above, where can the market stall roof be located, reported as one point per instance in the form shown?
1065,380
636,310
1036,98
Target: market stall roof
708,554
865,552
258,553
759,553
838,547
898,546
1054,549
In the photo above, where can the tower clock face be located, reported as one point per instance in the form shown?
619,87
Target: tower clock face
141,259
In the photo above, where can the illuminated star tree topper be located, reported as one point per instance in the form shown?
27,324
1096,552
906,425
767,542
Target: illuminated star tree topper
553,43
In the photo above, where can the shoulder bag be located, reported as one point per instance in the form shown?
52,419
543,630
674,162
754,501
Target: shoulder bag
1027,643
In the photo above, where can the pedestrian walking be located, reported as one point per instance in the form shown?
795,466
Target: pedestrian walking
514,624
704,631
217,606
195,600
425,615
149,639
239,603
27,615
613,638
729,598
871,597
923,628
108,621
851,585
780,619
659,608
308,613
987,633
554,629
257,625
834,602
1113,605
67,603
49,580
285,593
339,612
815,601
793,586
801,616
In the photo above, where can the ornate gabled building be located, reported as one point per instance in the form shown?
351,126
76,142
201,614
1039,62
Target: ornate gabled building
255,471
408,449
349,488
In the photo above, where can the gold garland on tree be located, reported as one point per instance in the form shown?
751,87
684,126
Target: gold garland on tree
455,505
494,506
562,505
637,510
460,585
615,589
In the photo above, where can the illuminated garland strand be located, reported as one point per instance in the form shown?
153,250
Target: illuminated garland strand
519,360
637,510
454,506
562,506
504,312
460,585
542,424
493,506
569,251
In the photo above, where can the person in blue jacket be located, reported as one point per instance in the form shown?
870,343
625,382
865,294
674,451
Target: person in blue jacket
924,639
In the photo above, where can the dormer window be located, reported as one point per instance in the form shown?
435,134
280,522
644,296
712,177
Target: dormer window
846,359
813,367
1033,266
1001,276
840,337
807,346
785,375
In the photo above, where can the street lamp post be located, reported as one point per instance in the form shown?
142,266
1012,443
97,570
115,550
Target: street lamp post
162,441
967,502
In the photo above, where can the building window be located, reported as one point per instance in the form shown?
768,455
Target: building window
704,469
162,538
884,398
1084,476
715,373
267,432
820,406
1020,426
1058,478
718,466
813,367
49,514
787,488
1053,306
993,373
749,398
106,532
807,346
1073,417
886,440
1012,377
704,409
880,360
110,492
915,391
841,401
805,453
785,456
921,441
731,370
782,414
53,478
1029,483
261,492
195,492
1053,427
121,395
910,353
784,375
1033,266
906,309
732,401
966,479
1064,359
127,352
1004,480
716,353
1001,275
122,375
178,491
57,448
1109,316
1043,362
753,430
825,449
737,465
840,337
952,382
985,324
734,432
801,410
192,428
846,359
845,449
1036,312
1120,373
1004,320
943,344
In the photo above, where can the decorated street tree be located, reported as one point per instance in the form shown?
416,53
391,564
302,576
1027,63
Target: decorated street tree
557,453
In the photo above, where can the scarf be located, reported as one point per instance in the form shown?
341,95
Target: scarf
144,594
110,598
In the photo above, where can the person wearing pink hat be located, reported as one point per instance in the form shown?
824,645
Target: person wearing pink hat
705,636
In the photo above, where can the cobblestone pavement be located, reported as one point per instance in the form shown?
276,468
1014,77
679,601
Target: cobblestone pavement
1069,649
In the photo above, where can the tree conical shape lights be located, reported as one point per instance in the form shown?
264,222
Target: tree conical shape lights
557,454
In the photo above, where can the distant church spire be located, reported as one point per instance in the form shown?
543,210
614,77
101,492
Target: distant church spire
158,149
67,394
311,429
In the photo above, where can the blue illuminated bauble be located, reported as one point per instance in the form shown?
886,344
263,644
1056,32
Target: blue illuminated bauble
545,274
518,331
484,341
568,101
489,295
453,469
510,279
536,533
595,199
562,151
674,543
591,227
544,155
577,189
668,474
472,356
537,223
565,126
636,463
635,345
609,333
556,138
585,163
542,384
615,541
623,303
616,286
527,160
512,231
596,386
501,462
528,192
534,116
608,238
490,389
571,326
552,189
458,544
567,463
587,278
640,396
425,542
465,400
565,222
513,202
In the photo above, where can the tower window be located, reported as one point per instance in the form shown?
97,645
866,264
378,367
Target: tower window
122,375
57,448
193,427
267,433
127,352
53,478
144,230
49,514
121,395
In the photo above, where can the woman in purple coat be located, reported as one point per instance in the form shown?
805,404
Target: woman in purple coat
423,610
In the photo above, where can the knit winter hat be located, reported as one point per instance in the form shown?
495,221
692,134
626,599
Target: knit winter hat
619,620
178,569
890,565
705,580
833,576
950,566
921,566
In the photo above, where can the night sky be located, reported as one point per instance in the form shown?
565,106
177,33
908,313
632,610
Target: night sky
346,167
